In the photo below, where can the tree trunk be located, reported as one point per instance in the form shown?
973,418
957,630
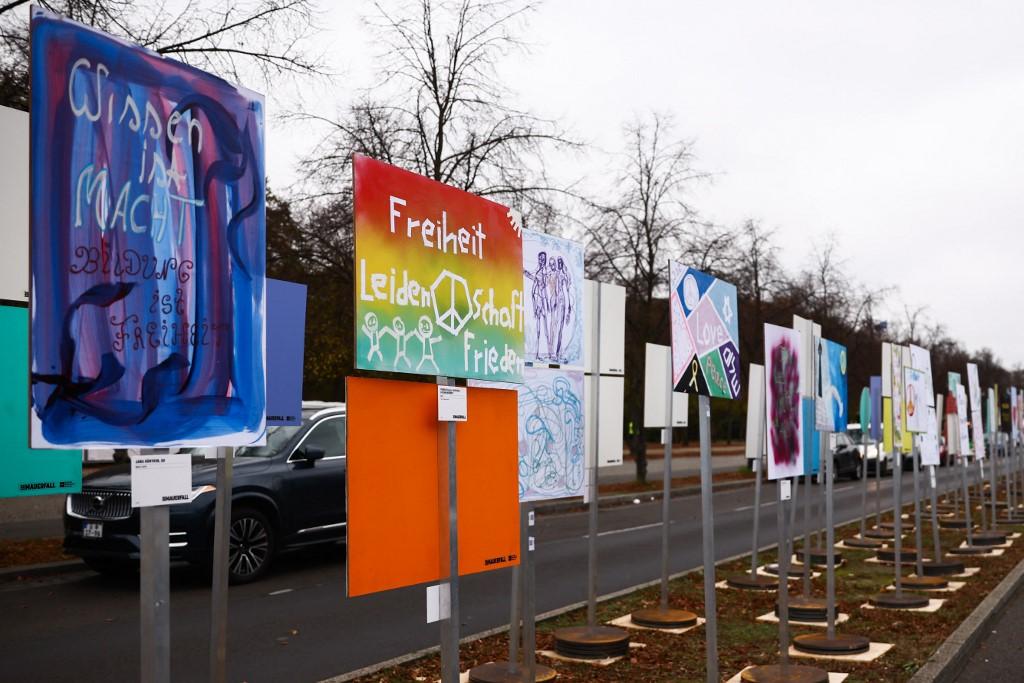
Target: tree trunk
638,448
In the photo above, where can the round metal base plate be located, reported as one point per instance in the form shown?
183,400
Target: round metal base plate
953,523
806,609
924,582
893,601
943,568
970,550
889,555
794,673
753,582
586,642
884,534
820,555
795,569
656,617
989,537
498,672
866,543
840,644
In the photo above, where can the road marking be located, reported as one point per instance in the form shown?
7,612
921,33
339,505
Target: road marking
751,507
612,532
282,591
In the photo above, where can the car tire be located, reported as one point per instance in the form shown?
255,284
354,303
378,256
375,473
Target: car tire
253,542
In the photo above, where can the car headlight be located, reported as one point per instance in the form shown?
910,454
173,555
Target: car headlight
209,488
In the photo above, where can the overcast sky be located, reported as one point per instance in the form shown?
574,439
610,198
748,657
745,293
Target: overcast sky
898,127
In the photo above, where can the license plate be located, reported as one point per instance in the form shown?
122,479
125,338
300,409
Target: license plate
92,530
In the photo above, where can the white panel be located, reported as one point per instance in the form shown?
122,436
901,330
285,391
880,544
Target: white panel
806,329
14,200
613,329
656,378
610,442
886,370
589,293
755,413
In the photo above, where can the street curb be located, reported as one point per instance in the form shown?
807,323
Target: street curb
946,665
628,498
41,570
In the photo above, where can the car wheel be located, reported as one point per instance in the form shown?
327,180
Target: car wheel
252,545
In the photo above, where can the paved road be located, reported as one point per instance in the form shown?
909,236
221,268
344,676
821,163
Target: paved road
297,625
998,657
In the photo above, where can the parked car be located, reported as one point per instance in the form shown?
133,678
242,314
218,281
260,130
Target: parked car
287,494
847,459
869,450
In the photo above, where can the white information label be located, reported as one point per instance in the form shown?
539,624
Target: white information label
530,516
531,544
785,490
438,603
451,404
932,475
161,480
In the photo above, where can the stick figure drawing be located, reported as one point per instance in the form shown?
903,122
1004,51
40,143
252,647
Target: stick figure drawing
424,330
397,331
371,328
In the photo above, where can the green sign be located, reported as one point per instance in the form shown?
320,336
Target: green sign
24,471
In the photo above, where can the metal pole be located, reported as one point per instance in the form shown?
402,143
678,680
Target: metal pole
707,514
830,550
919,565
807,535
967,499
936,542
666,490
221,552
529,602
517,581
449,530
993,478
154,593
791,538
878,484
783,564
980,472
864,490
757,515
897,503
595,395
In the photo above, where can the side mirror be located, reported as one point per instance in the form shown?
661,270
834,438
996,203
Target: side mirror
312,453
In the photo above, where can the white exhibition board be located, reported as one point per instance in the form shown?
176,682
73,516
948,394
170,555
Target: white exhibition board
609,438
657,359
613,328
809,331
977,426
755,413
14,200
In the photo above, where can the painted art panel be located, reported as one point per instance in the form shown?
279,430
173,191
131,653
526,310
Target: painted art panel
551,437
553,288
657,377
921,359
917,392
705,341
24,471
784,410
962,421
930,440
812,437
14,134
147,247
286,335
393,532
876,409
898,399
439,278
977,426
831,407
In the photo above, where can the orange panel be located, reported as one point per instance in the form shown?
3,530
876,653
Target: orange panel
392,483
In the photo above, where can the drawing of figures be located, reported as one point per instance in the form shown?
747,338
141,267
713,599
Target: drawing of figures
424,330
371,328
560,304
397,331
539,299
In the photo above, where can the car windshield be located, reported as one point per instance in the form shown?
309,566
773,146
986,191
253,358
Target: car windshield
277,438
854,434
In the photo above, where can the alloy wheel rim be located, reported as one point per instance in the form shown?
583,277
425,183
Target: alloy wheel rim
250,546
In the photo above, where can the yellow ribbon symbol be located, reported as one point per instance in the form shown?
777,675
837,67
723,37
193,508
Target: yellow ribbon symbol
693,374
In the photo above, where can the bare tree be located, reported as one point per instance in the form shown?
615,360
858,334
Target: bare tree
227,37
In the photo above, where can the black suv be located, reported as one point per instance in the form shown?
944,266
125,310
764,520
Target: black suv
286,494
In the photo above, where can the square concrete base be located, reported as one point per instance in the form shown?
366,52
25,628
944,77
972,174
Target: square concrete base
607,661
817,565
875,650
997,550
933,606
762,572
953,587
770,618
832,677
627,622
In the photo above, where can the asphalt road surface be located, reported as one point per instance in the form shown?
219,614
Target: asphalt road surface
297,624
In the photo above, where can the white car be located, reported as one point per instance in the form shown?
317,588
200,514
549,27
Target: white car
870,450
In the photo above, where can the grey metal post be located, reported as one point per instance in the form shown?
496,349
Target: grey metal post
221,552
154,594
979,470
864,489
518,581
757,515
993,479
878,485
595,396
529,602
794,503
897,503
830,549
967,499
783,564
919,564
936,541
707,513
666,491
449,544
807,535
